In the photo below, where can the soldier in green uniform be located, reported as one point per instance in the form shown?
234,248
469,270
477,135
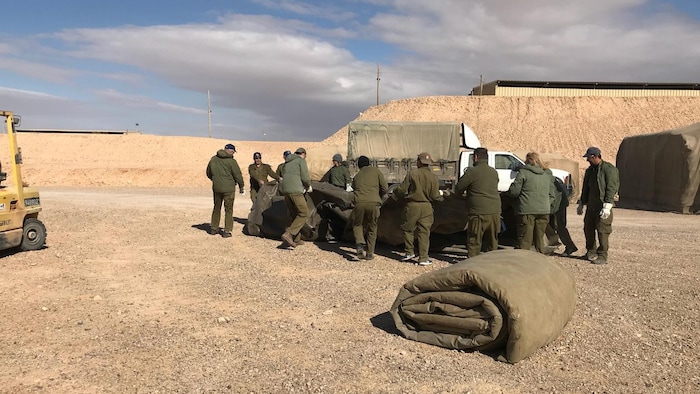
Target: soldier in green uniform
224,173
280,167
421,188
338,175
600,185
259,172
295,183
533,190
368,188
557,219
483,204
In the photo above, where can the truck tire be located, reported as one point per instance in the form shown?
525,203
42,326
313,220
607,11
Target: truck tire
33,234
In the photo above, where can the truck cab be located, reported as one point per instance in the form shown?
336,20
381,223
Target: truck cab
507,164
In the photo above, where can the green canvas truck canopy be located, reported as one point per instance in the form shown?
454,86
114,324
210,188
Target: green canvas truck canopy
396,140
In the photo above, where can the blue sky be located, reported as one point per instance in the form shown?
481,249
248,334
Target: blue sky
301,70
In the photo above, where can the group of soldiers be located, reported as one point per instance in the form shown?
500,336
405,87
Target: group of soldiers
225,174
540,201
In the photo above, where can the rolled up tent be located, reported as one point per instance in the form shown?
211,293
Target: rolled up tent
515,300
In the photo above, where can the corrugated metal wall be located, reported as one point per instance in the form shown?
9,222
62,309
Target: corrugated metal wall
488,89
553,92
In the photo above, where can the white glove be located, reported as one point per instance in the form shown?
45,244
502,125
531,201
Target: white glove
607,209
579,210
348,188
441,193
242,191
310,189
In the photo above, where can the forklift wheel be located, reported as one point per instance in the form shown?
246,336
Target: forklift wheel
34,234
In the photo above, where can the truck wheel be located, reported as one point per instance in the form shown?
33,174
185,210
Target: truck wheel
34,234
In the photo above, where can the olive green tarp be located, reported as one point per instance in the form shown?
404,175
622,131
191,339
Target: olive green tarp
515,300
269,216
661,171
330,208
398,140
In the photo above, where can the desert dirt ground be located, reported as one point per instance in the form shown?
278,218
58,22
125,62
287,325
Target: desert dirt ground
131,294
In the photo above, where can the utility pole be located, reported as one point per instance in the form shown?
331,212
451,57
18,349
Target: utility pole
209,111
378,83
481,84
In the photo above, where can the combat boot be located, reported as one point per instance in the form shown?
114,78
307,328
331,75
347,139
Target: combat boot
360,251
591,255
600,260
287,237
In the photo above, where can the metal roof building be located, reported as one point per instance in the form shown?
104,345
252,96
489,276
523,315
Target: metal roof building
508,88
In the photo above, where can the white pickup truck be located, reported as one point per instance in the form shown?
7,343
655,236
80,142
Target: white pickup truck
506,163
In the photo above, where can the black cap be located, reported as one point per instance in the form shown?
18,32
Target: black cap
257,155
592,151
286,153
230,147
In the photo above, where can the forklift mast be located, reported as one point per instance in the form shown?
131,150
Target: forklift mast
15,155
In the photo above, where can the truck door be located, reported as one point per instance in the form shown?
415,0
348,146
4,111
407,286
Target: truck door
466,160
507,166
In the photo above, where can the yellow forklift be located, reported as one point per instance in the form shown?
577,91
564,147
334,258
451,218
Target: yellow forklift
19,205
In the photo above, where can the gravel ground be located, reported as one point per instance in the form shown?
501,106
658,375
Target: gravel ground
132,295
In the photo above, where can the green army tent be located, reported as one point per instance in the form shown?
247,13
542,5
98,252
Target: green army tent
661,171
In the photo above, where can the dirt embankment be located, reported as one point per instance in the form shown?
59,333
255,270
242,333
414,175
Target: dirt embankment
545,124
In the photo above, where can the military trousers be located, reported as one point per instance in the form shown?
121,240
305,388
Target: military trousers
255,188
557,228
417,220
531,230
364,221
482,233
592,224
298,213
227,200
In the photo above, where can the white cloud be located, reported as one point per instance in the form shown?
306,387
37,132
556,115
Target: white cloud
327,11
27,93
543,39
143,102
37,70
302,80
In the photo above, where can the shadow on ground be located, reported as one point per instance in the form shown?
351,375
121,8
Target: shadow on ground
385,322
